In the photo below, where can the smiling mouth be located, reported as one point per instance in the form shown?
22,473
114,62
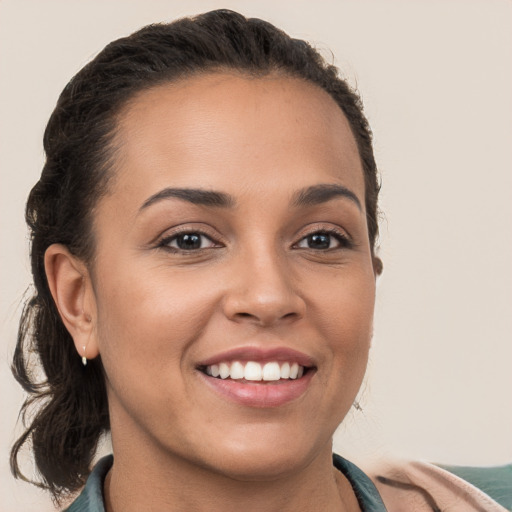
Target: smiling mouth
253,372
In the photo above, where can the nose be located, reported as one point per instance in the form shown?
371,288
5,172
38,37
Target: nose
263,291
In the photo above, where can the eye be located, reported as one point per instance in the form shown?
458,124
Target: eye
324,240
187,241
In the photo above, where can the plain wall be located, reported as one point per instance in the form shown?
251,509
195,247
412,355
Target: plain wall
436,81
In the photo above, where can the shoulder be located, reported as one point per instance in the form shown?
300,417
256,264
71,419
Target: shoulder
91,497
407,485
495,481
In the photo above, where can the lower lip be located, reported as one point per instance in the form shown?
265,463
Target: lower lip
260,394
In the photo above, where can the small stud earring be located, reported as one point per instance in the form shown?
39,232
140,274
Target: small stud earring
84,359
357,406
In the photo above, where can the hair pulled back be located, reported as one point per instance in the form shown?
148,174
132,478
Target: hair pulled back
67,410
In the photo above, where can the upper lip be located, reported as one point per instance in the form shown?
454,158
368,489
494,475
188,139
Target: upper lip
261,355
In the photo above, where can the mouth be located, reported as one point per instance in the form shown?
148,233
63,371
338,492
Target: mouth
258,378
253,371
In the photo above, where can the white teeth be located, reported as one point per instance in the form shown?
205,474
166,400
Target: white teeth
224,370
271,371
237,370
253,371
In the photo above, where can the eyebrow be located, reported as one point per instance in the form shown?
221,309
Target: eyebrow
318,194
192,195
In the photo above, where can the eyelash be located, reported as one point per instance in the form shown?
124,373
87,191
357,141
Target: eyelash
343,240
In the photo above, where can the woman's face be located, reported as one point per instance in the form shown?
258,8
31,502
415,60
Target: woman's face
234,239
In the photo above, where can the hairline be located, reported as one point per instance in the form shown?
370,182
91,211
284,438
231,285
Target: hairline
114,143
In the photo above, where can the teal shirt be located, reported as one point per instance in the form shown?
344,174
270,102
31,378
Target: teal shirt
495,481
91,498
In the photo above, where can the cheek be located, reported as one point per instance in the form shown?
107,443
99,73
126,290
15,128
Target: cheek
146,331
147,323
345,321
345,306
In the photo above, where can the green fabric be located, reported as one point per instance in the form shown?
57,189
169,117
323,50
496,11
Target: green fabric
91,498
367,495
494,481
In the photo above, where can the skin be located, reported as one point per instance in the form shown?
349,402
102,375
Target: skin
154,312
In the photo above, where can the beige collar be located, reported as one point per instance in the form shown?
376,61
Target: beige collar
419,486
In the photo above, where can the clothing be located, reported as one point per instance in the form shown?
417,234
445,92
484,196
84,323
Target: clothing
367,495
91,498
417,484
494,481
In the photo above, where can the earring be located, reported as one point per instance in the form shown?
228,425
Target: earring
84,359
357,406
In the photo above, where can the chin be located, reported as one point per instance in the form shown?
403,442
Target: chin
264,457
258,467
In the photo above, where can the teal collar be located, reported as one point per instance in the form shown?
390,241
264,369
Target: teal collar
91,498
367,495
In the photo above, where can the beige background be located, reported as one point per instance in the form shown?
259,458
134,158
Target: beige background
436,79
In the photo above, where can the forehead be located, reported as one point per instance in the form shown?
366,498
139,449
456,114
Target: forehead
235,132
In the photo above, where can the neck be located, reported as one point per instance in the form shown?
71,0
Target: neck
149,479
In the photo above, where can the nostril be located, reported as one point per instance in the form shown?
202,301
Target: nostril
263,309
266,317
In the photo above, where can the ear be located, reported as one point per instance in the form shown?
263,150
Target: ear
72,291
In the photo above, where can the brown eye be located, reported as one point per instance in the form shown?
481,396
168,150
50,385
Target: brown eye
323,240
319,241
191,241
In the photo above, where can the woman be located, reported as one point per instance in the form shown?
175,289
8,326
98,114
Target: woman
203,239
